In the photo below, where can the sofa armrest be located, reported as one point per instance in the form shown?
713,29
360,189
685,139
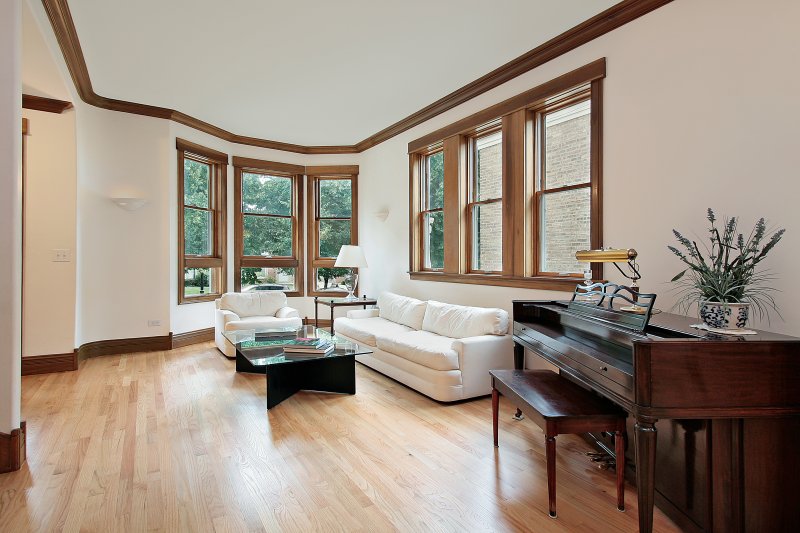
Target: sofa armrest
364,313
478,355
287,312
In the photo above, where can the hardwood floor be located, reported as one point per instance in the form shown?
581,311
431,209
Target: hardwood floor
178,441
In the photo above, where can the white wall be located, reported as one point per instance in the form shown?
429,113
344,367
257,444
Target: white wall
10,212
700,110
48,322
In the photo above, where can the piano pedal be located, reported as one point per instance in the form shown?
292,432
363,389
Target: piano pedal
518,416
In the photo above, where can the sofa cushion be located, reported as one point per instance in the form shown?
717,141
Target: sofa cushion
402,309
458,321
365,329
263,322
256,303
422,347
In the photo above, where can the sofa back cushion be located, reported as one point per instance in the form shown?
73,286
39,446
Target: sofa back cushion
458,321
256,303
402,309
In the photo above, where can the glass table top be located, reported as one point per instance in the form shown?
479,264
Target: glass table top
264,346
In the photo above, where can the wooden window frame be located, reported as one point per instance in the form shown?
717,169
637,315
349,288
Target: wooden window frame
424,207
472,202
519,157
316,174
216,261
241,166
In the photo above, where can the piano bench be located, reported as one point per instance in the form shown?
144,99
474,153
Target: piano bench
559,406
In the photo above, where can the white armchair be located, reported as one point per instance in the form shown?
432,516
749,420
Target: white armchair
251,310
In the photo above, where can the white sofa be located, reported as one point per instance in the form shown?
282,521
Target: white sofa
442,350
251,310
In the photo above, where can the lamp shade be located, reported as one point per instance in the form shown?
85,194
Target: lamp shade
351,256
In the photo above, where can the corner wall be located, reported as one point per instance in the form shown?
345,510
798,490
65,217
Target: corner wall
700,110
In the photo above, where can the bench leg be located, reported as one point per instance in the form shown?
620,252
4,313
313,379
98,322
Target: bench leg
619,450
550,450
495,409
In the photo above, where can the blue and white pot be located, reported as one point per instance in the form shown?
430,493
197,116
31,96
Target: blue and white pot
724,315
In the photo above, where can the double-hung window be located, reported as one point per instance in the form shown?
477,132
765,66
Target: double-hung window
201,222
268,230
332,223
508,195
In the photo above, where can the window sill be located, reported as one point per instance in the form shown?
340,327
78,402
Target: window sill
198,299
566,284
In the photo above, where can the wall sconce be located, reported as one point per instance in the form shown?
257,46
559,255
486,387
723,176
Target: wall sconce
129,204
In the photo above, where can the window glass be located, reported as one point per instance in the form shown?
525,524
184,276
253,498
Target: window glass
197,234
199,281
333,234
335,199
488,167
434,170
266,195
331,279
487,218
196,183
267,236
567,142
565,229
433,228
488,237
268,279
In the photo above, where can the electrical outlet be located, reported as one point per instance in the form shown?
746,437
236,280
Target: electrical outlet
61,255
153,323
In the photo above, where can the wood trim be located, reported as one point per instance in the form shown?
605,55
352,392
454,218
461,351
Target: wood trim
331,170
269,166
46,364
554,284
179,340
26,128
454,199
197,149
123,346
13,449
602,23
532,97
48,105
514,195
596,162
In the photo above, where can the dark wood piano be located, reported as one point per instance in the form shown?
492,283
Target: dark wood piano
716,417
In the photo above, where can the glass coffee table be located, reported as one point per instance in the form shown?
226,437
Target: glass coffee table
260,351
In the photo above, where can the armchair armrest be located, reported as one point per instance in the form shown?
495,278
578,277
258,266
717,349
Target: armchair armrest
363,313
287,312
478,355
222,317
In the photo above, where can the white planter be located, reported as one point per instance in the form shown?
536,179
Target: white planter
724,315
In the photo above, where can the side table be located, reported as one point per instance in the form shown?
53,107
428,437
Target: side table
339,302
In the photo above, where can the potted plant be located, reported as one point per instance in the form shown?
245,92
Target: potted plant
726,280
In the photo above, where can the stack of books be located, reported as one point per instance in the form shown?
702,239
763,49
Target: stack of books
303,347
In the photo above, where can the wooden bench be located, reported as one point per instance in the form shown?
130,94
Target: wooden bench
560,406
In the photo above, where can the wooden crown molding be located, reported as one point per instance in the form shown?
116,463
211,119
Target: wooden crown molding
40,103
602,23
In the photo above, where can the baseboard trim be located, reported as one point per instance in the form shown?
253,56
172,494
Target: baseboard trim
180,340
46,364
131,345
12,449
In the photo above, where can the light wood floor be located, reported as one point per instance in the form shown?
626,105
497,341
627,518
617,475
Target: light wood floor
178,441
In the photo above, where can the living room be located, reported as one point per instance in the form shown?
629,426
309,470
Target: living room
685,121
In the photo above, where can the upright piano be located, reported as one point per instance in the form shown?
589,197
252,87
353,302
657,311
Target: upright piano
715,418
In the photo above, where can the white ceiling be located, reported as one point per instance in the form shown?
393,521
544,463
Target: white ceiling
304,71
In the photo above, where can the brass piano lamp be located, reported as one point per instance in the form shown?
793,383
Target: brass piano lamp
615,256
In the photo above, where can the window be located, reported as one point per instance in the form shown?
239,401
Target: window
201,222
268,230
563,187
333,222
509,194
485,207
432,212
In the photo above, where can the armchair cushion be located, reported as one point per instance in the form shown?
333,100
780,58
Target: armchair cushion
402,309
256,303
287,312
458,321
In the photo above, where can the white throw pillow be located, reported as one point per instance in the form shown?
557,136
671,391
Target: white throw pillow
458,321
402,309
256,303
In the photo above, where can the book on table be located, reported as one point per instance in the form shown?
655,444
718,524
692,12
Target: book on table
317,347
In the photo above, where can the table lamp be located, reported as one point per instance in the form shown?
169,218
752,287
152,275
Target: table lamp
352,257
612,255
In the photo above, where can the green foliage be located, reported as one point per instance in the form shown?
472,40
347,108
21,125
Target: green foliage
250,276
197,224
435,221
327,274
727,272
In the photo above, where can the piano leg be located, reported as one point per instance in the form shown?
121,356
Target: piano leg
519,364
645,431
